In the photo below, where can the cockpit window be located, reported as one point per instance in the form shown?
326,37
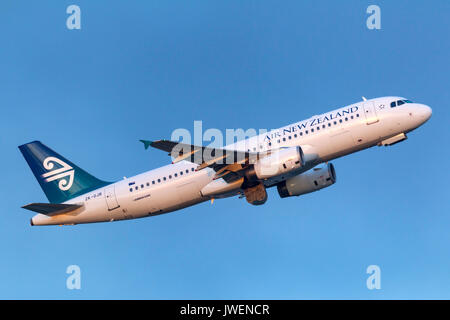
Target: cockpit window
399,103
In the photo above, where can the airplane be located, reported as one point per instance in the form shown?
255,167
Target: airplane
294,159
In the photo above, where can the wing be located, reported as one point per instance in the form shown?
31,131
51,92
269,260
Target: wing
226,162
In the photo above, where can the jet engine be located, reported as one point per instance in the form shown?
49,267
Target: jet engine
278,163
312,180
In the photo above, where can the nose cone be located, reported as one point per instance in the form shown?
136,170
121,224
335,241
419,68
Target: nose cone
424,112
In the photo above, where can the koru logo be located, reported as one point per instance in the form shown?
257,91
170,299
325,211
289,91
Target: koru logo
55,174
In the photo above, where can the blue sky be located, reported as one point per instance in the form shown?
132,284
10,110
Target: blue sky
142,69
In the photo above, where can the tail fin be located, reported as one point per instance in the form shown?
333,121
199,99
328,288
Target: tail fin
60,179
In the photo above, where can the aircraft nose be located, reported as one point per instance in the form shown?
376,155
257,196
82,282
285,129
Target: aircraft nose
424,112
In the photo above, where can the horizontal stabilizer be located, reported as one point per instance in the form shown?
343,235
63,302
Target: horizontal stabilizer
51,209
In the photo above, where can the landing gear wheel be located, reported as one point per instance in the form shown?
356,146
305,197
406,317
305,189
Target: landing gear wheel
256,195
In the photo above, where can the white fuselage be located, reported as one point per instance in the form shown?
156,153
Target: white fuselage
175,186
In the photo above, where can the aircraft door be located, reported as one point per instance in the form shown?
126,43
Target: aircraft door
110,196
370,113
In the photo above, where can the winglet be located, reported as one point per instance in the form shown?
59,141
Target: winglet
146,143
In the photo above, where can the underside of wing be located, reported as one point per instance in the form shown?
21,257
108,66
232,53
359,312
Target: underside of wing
226,162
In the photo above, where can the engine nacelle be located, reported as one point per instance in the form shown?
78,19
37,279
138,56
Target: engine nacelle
279,163
312,180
